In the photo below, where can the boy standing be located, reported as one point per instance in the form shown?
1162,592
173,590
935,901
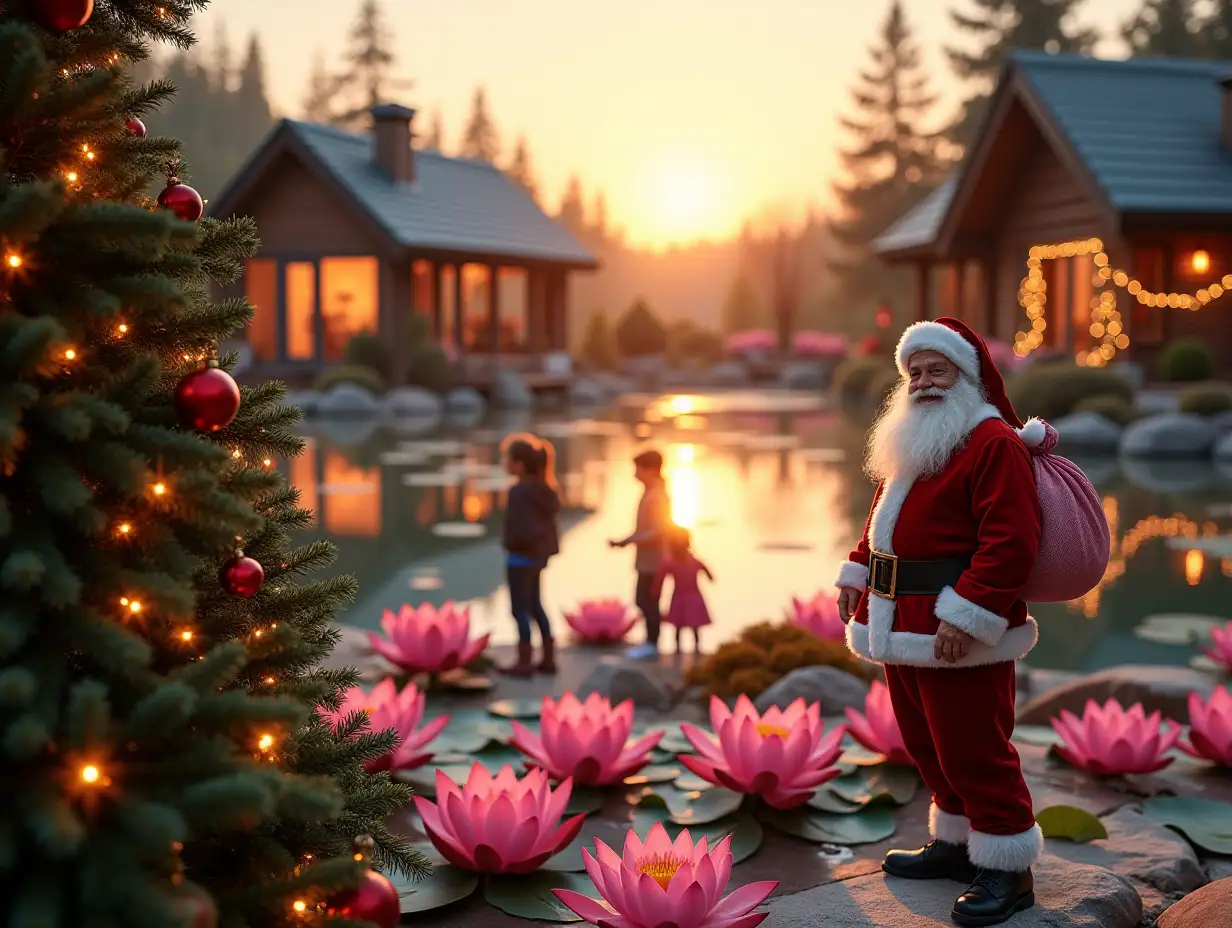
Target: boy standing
650,539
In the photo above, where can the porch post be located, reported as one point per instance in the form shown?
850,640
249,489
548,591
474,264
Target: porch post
459,336
434,289
962,305
923,291
494,319
534,310
992,324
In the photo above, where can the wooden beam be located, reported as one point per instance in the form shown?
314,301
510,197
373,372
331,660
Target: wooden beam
494,318
923,291
992,322
459,339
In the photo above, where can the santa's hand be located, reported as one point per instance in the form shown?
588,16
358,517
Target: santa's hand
952,643
848,602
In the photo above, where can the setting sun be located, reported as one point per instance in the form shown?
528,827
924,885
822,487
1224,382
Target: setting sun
684,200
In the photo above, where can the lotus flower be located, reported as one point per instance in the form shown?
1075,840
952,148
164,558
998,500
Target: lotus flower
782,756
585,741
1221,638
1210,727
402,712
820,616
426,640
1108,740
666,884
498,824
877,729
601,620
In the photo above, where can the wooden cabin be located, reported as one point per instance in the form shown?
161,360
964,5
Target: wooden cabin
359,232
1085,164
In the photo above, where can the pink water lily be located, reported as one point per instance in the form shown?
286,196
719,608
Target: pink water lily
666,884
425,639
1210,727
877,729
782,756
587,741
1221,650
819,615
1108,740
601,620
498,824
387,708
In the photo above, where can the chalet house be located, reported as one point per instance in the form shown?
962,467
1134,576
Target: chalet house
1091,216
358,232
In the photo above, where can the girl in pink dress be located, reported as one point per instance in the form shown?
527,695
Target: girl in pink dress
688,608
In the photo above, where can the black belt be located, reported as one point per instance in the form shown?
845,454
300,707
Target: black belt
890,577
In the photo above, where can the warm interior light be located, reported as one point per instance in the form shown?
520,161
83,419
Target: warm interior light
1200,262
124,528
90,774
13,260
160,489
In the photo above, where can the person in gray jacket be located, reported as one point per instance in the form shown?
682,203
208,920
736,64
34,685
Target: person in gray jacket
650,536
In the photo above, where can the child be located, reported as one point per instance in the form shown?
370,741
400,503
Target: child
530,537
688,608
653,519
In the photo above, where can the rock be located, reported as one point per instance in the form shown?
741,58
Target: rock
509,391
411,403
1088,431
835,689
1067,895
1208,907
348,400
729,374
1164,688
1169,476
1223,448
1218,868
307,400
621,681
465,400
586,391
1221,423
1168,435
804,375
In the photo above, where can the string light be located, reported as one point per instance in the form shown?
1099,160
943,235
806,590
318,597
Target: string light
299,905
122,329
90,774
70,354
265,742
237,454
13,260
186,635
270,681
71,177
268,463
124,529
160,489
133,605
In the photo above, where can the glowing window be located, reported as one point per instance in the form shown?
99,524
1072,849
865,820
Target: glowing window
448,334
352,504
261,288
511,283
423,291
301,310
350,301
304,477
476,307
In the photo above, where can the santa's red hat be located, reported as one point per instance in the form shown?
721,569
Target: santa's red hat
969,353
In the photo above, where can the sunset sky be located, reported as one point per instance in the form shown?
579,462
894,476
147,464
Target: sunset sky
690,114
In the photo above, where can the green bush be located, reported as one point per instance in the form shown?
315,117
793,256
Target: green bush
366,350
639,333
1207,399
1112,408
429,367
599,350
357,374
687,342
854,376
1186,360
1055,390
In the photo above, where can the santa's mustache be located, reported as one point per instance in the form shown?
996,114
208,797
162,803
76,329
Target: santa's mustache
928,393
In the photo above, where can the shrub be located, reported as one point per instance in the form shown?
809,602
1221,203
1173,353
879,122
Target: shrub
366,349
429,367
1112,408
765,653
1055,390
639,333
854,376
687,342
1186,360
357,374
599,343
1207,399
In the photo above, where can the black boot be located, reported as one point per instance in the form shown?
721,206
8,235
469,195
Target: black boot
937,860
993,897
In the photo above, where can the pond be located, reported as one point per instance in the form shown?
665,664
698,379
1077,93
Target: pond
770,485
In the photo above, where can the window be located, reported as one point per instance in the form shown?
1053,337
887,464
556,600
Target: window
476,309
514,308
352,504
449,302
301,310
304,477
261,288
423,292
1081,302
350,301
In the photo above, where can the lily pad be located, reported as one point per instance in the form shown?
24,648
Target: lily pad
691,782
674,740
517,708
1206,823
745,831
1041,735
584,800
466,682
886,783
494,757
1178,628
1070,823
468,736
872,824
826,801
655,774
423,779
444,885
696,807
530,895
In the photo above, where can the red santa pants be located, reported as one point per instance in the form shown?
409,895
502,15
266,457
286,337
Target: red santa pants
956,724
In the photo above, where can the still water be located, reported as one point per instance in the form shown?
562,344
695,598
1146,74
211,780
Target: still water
769,484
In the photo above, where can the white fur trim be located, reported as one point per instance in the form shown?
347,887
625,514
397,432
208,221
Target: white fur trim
981,624
916,650
933,336
952,829
984,413
1014,853
853,574
1032,433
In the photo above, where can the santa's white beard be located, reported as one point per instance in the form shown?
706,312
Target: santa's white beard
915,439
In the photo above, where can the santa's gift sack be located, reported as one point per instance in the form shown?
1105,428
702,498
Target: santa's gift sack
1074,542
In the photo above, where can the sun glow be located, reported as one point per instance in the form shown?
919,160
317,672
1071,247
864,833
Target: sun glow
684,200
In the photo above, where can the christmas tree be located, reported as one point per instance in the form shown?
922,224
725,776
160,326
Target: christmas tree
162,757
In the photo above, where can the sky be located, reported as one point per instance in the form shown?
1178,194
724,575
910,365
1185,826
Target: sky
691,115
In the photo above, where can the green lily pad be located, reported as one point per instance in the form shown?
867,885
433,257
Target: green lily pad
1042,735
1205,823
655,774
1207,665
1178,628
517,708
674,740
494,757
423,779
530,895
661,757
826,801
872,824
695,807
1070,823
470,734
444,885
886,783
745,831
585,800
691,782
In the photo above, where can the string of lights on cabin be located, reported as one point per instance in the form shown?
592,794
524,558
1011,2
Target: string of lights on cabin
1107,326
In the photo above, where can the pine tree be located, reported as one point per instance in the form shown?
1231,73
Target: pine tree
480,140
892,160
520,172
572,210
153,722
222,59
320,100
435,139
369,66
598,215
998,26
251,108
1166,28
742,309
599,343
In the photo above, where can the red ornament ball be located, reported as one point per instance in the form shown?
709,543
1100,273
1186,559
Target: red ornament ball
242,576
196,906
136,127
375,900
61,15
208,399
182,200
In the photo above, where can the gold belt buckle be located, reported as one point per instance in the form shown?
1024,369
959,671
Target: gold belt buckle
883,575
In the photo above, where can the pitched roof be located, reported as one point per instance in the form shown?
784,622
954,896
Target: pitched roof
919,225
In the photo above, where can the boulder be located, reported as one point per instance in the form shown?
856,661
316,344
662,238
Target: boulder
465,400
586,391
729,374
1223,448
347,400
307,400
411,403
509,391
1088,431
1207,907
1164,688
1221,423
835,689
1162,475
1168,435
621,681
804,375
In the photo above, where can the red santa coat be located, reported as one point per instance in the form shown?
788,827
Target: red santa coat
983,506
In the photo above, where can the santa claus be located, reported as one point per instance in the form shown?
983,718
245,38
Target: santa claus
932,592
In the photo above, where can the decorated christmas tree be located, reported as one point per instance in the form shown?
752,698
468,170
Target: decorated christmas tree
162,757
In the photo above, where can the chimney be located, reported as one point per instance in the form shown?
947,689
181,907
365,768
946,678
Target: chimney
391,141
1225,103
